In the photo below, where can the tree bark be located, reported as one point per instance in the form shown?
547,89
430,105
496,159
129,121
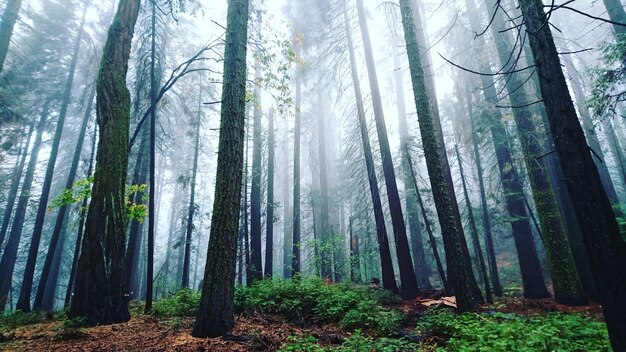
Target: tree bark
295,260
100,290
215,314
605,247
256,268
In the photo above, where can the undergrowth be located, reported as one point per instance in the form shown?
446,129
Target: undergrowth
183,303
303,300
355,343
507,332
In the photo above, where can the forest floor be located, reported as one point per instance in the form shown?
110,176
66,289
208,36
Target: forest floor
315,316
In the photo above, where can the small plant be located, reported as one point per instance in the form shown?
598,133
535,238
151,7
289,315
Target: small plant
13,319
183,303
70,328
355,343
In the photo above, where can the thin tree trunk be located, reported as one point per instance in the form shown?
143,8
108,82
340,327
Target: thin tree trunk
474,230
9,18
18,170
601,235
295,260
256,268
48,287
408,283
100,291
355,255
324,239
215,314
23,302
269,223
81,225
7,264
152,181
388,276
192,199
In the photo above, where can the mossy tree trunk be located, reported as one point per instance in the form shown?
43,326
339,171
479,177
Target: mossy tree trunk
568,288
100,295
532,276
605,247
216,315
462,280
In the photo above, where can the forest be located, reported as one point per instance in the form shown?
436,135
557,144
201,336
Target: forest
323,175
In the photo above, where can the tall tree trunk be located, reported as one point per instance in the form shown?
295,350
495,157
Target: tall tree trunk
408,283
388,276
23,303
568,288
48,287
152,181
9,17
422,270
192,198
532,276
269,223
462,280
100,291
287,245
617,14
256,268
355,255
605,247
81,225
7,264
215,314
491,253
324,239
474,230
429,82
135,237
295,260
18,170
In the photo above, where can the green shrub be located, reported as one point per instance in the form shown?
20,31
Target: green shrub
355,343
183,303
353,307
511,332
13,319
70,328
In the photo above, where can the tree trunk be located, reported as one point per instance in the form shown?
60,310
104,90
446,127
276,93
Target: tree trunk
474,230
605,247
81,225
388,276
462,280
324,240
269,223
491,253
48,287
15,185
7,264
295,260
530,268
408,283
152,181
9,17
23,303
192,200
287,245
100,290
617,14
256,268
215,314
422,270
355,255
